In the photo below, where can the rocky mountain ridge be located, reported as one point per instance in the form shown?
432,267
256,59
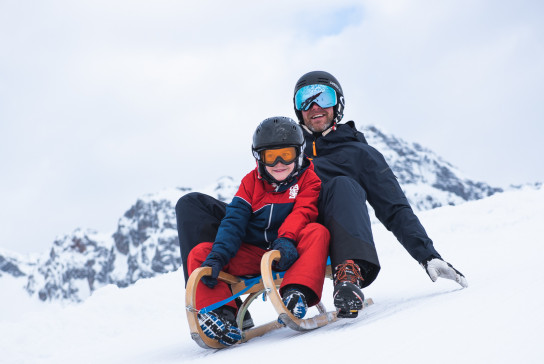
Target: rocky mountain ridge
145,243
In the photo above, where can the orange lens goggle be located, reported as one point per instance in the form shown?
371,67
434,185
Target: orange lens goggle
271,157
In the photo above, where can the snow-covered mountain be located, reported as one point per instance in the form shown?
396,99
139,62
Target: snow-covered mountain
145,243
427,180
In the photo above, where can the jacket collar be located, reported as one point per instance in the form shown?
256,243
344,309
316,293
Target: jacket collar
342,132
325,132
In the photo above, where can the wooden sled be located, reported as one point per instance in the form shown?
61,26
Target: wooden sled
268,283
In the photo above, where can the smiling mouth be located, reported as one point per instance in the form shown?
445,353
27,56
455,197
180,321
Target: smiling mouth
317,116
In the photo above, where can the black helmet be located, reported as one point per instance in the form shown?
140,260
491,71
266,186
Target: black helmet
323,78
274,133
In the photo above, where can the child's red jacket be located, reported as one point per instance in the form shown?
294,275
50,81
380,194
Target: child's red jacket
259,212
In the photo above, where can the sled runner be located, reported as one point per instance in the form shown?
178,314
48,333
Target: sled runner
268,284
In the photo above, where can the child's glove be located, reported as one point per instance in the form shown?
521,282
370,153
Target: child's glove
436,267
288,253
215,261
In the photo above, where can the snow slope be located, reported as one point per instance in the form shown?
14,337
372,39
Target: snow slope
496,242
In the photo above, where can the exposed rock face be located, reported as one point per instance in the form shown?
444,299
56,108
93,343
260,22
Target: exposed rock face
77,264
10,265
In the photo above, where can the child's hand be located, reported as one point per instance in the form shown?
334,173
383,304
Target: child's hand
216,263
288,253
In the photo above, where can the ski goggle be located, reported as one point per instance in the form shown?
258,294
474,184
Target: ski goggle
323,95
271,157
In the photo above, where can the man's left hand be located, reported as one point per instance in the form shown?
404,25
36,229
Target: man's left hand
436,268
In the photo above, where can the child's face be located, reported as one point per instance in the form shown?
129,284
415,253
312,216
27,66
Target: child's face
280,171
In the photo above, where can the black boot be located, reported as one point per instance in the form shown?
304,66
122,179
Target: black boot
348,297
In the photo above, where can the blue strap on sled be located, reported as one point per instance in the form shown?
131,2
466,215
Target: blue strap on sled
249,282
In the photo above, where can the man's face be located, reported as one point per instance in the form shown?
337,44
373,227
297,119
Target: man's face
318,119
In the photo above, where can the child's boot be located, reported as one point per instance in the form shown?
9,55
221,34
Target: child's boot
220,325
295,301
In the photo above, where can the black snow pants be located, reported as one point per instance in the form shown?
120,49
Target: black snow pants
198,217
342,209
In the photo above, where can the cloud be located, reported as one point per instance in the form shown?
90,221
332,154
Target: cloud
102,101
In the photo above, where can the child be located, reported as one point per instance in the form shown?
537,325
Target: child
275,208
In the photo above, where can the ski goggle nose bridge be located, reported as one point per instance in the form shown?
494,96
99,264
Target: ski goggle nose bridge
271,157
323,95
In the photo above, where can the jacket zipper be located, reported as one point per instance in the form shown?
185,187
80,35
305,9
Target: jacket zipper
268,227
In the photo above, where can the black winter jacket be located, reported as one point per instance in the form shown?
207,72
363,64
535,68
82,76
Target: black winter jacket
345,152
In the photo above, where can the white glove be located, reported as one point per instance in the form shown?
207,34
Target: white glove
436,267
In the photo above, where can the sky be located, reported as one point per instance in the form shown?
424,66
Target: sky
104,101
497,319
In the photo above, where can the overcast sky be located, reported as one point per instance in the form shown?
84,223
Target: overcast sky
102,101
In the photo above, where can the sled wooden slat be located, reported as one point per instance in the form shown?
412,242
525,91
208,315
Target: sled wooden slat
328,272
237,284
322,319
190,305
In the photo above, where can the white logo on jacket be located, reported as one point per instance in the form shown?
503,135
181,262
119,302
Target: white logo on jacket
293,191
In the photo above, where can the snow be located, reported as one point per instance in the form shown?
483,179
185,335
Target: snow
495,242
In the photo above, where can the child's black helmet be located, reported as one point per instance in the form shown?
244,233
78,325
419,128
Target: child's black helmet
275,133
322,78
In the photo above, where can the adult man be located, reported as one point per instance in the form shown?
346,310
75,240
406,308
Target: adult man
352,172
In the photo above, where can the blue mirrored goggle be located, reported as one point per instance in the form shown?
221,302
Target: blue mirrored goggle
322,95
